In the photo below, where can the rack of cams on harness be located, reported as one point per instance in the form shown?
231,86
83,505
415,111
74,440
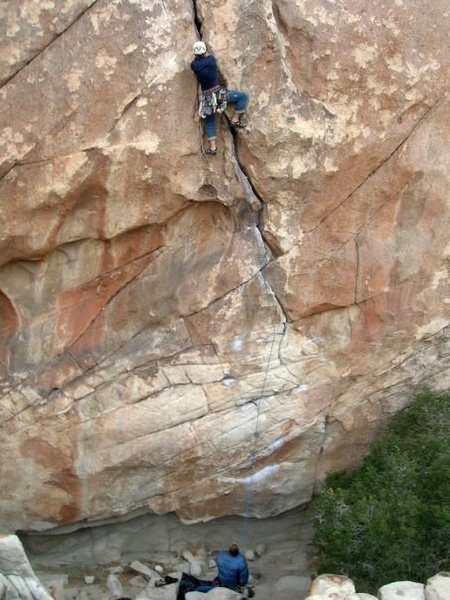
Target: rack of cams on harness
212,101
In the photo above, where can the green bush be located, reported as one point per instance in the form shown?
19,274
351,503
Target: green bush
390,520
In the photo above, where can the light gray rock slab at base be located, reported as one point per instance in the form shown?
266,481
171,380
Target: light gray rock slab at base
25,588
220,593
8,589
17,576
13,560
329,586
21,585
402,590
195,568
438,587
145,570
116,570
194,596
114,586
187,555
364,596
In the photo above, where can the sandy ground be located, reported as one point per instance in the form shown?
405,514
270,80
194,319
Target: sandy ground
98,551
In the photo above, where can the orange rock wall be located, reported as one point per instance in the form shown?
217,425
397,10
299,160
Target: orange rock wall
180,333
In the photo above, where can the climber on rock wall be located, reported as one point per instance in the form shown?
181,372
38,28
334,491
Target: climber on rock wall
214,98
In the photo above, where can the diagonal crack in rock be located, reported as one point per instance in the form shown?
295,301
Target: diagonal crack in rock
42,50
252,195
380,164
197,21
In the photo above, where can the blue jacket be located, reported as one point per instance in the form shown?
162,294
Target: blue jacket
205,68
233,570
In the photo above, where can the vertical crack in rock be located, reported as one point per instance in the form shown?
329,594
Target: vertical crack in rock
252,196
198,24
42,50
197,21
254,200
280,304
356,269
325,420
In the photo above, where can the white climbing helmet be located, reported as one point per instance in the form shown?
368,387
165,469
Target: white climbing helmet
199,48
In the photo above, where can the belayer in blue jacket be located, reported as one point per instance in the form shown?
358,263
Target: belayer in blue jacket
233,570
213,96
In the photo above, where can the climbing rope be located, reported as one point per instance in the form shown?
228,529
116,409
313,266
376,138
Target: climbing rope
249,492
253,454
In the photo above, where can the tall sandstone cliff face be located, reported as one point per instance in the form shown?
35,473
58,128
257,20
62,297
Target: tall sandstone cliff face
176,331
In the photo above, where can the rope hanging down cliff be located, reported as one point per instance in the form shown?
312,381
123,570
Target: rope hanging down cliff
215,98
253,455
249,491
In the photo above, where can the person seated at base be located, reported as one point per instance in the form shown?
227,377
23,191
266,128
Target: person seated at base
232,572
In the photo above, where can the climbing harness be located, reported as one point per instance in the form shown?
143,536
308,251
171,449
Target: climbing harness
212,101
